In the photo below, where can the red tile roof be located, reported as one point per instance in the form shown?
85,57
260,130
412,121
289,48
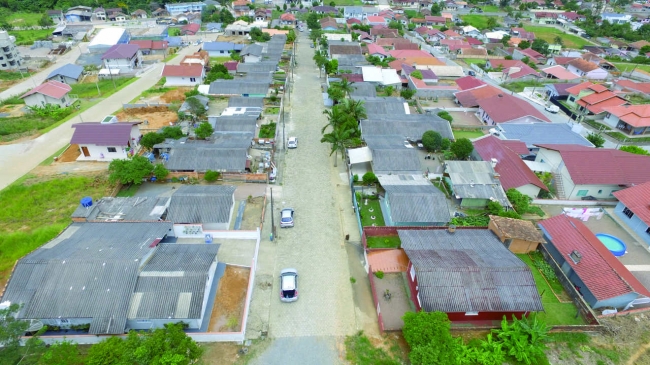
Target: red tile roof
184,70
507,65
504,108
352,77
637,199
386,42
191,28
563,60
288,17
634,115
451,33
468,82
376,19
435,19
149,44
596,102
643,87
559,72
470,98
353,21
532,53
375,49
604,275
575,90
406,46
512,169
455,44
231,65
582,65
53,89
473,41
588,165
516,146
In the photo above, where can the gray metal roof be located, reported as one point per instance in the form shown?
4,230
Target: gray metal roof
265,66
238,87
88,271
542,133
236,124
408,130
384,106
206,157
363,89
417,203
469,270
126,209
201,204
69,70
395,161
252,50
350,61
475,180
385,141
243,102
173,282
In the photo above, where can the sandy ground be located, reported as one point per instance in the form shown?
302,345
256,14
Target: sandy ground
67,168
177,95
156,117
13,110
232,38
231,297
252,214
69,155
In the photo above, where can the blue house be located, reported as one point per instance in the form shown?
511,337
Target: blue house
595,272
217,49
180,8
633,209
68,74
79,14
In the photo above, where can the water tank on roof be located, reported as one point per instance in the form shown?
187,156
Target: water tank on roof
86,201
208,238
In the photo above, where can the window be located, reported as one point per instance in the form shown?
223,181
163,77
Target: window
628,213
582,192
112,149
647,230
600,191
192,79
471,313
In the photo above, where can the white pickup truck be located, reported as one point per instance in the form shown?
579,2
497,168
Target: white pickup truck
552,108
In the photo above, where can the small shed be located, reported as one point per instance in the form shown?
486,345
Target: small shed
518,235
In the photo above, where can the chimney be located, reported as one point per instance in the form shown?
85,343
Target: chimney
494,162
451,228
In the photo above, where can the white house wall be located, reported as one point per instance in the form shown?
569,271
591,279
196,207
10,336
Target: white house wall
529,190
39,99
96,152
182,81
593,190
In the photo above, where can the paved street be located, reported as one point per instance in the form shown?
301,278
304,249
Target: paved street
19,158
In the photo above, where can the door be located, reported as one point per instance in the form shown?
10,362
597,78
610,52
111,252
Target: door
85,151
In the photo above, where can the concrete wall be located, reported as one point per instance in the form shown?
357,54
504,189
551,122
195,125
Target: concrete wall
598,191
529,190
100,153
64,79
634,223
183,81
38,99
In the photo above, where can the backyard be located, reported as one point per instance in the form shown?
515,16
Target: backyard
369,209
22,19
468,133
383,242
88,90
549,33
28,36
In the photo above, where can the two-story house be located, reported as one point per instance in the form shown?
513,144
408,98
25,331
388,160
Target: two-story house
123,57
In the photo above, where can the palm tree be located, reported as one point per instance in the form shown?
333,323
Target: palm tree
338,138
354,108
337,118
346,86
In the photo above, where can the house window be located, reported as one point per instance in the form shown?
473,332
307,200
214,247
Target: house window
583,192
600,191
112,149
647,230
628,213
471,313
192,79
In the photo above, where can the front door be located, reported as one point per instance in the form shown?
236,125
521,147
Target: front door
85,151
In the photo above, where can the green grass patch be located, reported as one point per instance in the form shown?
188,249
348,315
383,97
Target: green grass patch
549,33
384,242
366,214
624,66
89,90
519,86
478,21
413,14
491,9
36,211
170,57
360,351
220,60
267,131
23,19
468,133
346,2
28,36
622,137
128,191
555,313
638,99
474,61
13,75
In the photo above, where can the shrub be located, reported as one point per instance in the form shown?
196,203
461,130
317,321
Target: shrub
462,148
417,74
211,176
355,178
160,171
446,116
172,132
431,140
407,93
445,144
204,130
352,280
151,139
370,178
379,274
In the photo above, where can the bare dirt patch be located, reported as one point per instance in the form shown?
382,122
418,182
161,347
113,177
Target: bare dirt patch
229,303
156,117
252,217
13,110
71,168
177,95
222,353
70,155
233,38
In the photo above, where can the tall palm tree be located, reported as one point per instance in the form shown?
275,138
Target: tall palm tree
337,119
338,138
346,86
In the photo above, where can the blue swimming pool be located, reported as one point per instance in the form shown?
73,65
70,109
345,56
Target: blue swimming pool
613,244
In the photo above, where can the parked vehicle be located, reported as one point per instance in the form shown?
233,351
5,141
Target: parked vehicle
286,218
471,73
293,142
552,108
288,285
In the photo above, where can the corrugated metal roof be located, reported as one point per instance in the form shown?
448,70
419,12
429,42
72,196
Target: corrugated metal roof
384,106
475,180
203,158
384,141
395,161
239,87
469,270
417,203
363,89
126,209
536,133
70,70
236,124
265,66
201,204
243,102
405,129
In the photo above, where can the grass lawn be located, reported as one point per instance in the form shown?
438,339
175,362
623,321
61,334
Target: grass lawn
491,9
471,61
384,242
89,90
267,131
468,133
519,86
623,66
220,60
346,2
548,34
35,211
27,37
366,214
21,19
413,14
478,21
128,191
11,76
555,313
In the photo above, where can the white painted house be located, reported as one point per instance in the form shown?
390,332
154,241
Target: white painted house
107,140
184,74
51,92
123,57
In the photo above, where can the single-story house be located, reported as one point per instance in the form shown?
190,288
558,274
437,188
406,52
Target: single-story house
513,69
377,51
558,91
588,98
505,108
106,141
631,119
414,201
468,274
469,98
51,92
469,82
252,53
216,49
222,153
630,86
584,171
210,206
533,134
558,72
183,74
67,74
586,69
475,183
123,57
518,235
513,171
632,209
150,47
598,275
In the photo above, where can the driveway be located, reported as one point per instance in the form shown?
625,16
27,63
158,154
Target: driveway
308,330
19,158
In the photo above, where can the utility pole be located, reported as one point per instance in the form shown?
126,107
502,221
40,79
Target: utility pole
272,214
110,73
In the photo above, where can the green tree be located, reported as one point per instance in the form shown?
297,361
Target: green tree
211,176
644,50
417,74
540,46
558,40
335,93
519,201
174,132
345,85
432,141
151,139
462,148
129,171
407,93
369,178
524,339
596,139
338,138
332,67
45,21
505,40
634,149
445,144
523,45
257,35
388,90
196,107
291,36
436,9
429,337
492,22
234,56
354,109
62,353
160,171
312,21
446,116
204,130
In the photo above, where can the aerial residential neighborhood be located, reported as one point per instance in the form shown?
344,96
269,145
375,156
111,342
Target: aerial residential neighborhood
352,182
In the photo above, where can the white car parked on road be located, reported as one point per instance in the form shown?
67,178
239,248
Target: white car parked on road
292,142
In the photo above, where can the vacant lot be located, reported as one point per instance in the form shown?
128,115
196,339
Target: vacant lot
156,117
478,21
22,19
27,37
624,66
549,33
88,90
